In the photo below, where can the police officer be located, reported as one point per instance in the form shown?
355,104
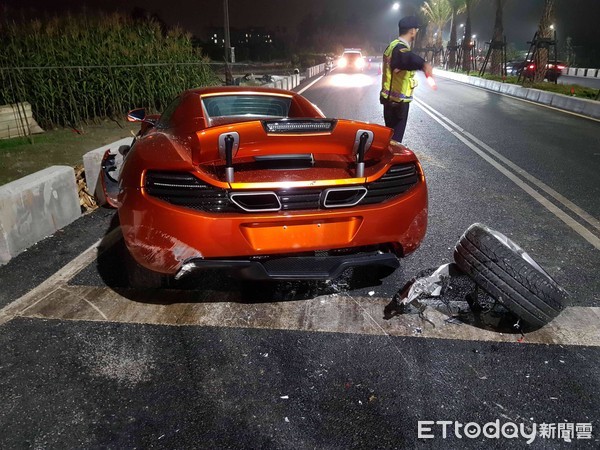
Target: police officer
398,76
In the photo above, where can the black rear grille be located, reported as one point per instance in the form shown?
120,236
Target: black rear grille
297,199
396,181
184,189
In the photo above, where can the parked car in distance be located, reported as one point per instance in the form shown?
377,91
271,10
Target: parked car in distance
554,69
259,182
514,67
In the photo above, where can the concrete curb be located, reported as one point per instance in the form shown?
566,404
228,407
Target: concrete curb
36,206
585,107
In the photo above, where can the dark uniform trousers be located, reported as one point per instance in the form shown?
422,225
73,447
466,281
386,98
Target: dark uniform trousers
395,115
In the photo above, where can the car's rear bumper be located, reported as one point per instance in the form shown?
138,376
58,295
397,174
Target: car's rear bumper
163,237
291,267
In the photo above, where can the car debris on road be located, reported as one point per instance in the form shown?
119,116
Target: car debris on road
499,267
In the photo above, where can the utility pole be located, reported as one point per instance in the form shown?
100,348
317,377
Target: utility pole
228,53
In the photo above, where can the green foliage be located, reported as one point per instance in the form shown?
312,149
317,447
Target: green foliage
565,89
437,12
76,68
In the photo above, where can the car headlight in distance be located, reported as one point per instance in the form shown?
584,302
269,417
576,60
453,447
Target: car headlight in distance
343,62
360,63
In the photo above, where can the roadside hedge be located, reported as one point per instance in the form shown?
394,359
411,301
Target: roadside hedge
75,69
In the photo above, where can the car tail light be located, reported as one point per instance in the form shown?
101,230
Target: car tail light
299,126
561,67
532,67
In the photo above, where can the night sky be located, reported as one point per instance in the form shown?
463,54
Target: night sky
575,18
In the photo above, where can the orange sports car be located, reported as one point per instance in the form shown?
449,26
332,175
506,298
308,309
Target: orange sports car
259,182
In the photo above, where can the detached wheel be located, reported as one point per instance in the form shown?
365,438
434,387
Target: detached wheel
507,273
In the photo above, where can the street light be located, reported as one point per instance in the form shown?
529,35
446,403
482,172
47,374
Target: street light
396,6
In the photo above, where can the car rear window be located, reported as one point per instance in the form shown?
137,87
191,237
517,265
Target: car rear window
246,105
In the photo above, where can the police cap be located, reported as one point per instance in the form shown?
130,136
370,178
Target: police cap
409,22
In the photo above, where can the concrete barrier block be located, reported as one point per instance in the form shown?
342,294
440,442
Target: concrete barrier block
494,85
461,77
533,95
285,83
491,85
504,87
589,107
278,84
580,72
591,73
545,97
517,91
35,207
572,71
565,102
92,163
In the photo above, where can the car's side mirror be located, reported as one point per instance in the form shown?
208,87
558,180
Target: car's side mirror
136,115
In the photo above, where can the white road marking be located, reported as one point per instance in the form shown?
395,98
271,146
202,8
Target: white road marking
464,137
560,198
311,83
96,308
54,282
337,313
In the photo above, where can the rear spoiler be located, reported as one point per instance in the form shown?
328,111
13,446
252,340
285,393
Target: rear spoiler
289,136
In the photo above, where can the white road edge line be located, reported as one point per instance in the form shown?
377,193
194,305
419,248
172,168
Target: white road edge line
68,271
558,197
572,223
311,83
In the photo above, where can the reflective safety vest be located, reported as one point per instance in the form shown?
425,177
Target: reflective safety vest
399,86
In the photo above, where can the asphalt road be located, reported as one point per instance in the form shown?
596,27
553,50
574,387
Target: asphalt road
86,362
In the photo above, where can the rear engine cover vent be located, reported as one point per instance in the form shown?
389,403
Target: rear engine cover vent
285,162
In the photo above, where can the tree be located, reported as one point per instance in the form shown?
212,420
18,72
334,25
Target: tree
544,36
467,43
570,51
497,38
438,12
457,7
